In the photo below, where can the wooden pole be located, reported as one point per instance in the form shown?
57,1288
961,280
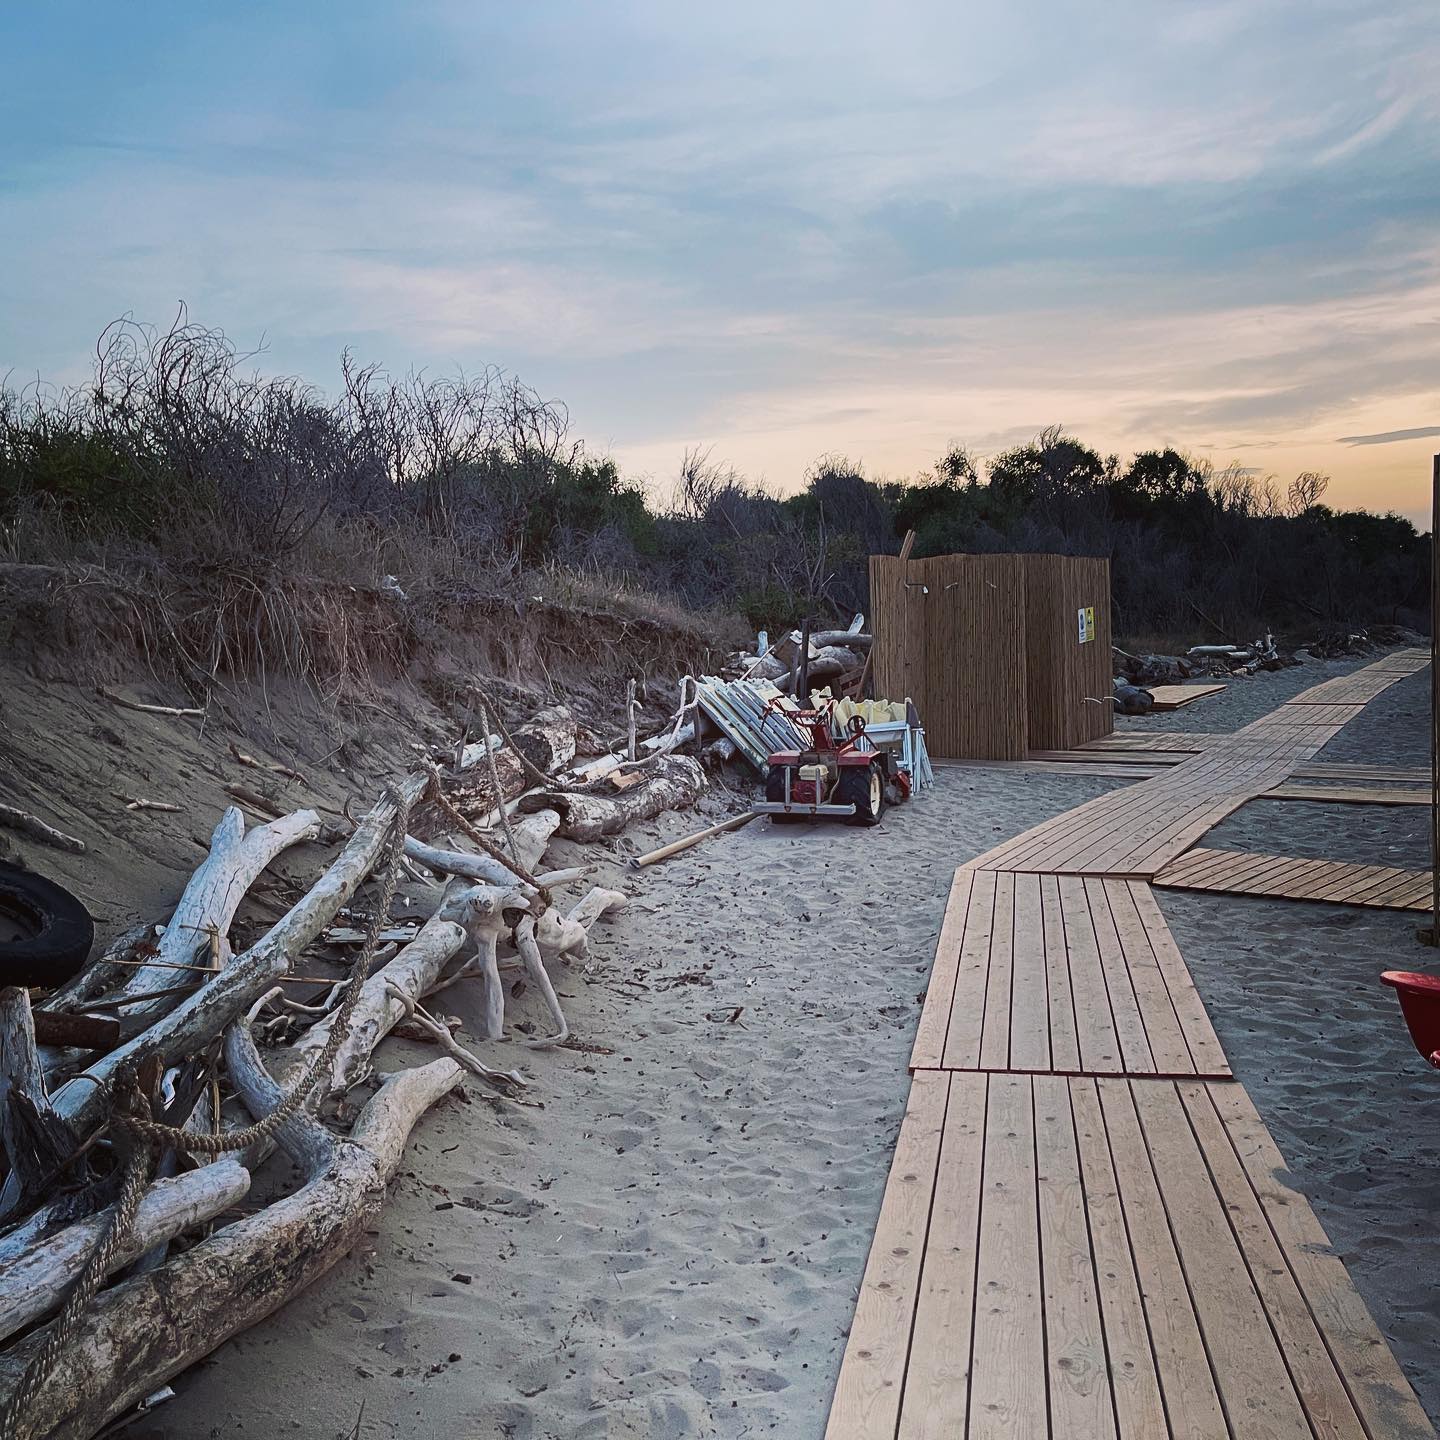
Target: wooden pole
666,851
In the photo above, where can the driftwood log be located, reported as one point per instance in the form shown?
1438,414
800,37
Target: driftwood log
196,1021
37,1142
547,741
129,1342
532,835
208,903
413,971
671,782
33,1281
33,826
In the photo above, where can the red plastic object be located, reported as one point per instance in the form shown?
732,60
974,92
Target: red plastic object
1420,1005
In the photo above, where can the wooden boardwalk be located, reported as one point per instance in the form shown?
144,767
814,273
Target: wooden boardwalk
1139,831
1176,697
1086,1233
1240,872
1105,1259
1045,973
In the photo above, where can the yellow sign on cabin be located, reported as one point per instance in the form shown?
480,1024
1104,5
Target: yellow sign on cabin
1087,624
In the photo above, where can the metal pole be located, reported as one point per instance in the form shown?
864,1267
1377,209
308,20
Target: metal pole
1435,706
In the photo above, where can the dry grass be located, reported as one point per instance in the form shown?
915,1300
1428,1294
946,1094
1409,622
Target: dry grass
357,605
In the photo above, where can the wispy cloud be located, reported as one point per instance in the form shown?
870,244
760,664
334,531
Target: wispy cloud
1390,437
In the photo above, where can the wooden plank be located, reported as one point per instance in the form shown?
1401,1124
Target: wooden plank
1194,1019
1191,741
1191,1399
1094,1021
1322,1392
872,1373
1007,1385
1296,878
940,992
1134,1382
1347,795
1030,1011
1176,697
1249,1369
1169,1052
1064,1047
1078,1369
1126,756
1130,1026
967,1008
937,1383
1372,774
1377,1387
995,1033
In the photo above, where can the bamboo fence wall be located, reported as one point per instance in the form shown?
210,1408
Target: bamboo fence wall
989,649
1069,684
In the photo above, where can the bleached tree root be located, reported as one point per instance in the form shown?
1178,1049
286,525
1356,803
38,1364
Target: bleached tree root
440,1034
128,1342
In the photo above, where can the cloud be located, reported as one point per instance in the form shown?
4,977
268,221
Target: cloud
786,229
1390,437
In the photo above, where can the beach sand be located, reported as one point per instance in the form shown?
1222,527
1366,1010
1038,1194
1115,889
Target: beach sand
670,1241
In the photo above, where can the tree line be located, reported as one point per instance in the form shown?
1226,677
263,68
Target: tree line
177,452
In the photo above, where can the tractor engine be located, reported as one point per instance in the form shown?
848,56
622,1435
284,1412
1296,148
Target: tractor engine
812,781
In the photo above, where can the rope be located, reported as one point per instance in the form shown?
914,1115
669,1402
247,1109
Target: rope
87,1283
495,790
442,802
137,1131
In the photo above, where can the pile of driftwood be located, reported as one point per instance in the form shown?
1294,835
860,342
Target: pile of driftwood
122,1260
839,659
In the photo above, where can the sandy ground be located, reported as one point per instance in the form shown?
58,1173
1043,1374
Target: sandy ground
670,1242
672,1245
1294,991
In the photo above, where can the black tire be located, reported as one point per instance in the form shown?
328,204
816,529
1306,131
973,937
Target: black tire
55,930
775,790
864,788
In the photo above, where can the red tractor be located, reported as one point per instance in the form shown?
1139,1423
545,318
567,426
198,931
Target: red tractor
831,777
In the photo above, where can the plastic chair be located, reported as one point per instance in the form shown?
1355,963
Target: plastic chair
1420,1005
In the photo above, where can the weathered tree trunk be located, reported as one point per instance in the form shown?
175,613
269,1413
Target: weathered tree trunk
856,641
208,904
204,1016
547,741
414,970
36,1140
35,1280
674,781
128,1342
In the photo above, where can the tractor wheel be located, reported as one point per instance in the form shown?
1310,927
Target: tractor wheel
864,788
775,791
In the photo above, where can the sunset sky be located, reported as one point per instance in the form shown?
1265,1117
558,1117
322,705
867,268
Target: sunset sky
775,230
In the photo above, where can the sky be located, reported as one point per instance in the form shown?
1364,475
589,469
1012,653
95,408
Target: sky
776,231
